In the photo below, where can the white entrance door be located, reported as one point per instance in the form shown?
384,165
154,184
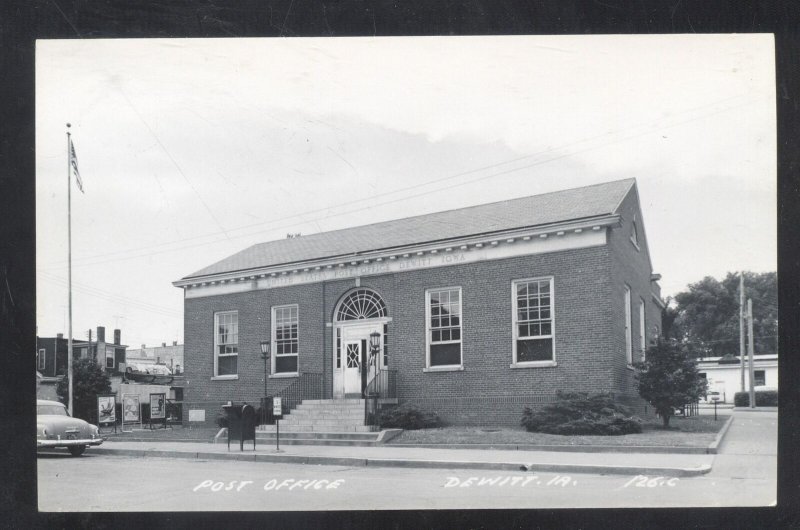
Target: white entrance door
352,368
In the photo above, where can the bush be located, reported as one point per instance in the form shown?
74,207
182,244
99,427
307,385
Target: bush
89,380
409,417
581,413
764,398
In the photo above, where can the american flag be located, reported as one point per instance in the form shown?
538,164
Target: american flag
73,162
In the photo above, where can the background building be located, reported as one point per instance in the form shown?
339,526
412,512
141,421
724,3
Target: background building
478,312
170,356
52,352
724,374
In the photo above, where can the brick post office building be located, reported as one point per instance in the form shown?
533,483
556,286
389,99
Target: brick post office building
472,313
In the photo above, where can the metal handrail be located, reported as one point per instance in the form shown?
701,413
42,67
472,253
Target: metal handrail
307,386
382,385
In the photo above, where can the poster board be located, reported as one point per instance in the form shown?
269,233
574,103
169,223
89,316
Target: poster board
158,409
131,410
107,410
158,406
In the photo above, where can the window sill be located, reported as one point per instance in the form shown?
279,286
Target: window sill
283,375
630,367
444,369
224,377
534,364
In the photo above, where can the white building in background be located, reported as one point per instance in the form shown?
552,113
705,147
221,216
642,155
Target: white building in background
170,356
724,374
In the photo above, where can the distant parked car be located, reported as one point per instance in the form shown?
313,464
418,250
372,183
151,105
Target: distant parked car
56,428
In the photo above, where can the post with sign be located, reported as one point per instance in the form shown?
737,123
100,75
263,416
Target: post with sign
277,412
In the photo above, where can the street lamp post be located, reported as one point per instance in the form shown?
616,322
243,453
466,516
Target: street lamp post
265,356
374,346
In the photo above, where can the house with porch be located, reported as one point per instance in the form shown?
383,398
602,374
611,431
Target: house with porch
473,313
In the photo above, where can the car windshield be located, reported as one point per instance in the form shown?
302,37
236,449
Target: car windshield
51,410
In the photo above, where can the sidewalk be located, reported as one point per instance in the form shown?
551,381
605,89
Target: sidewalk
680,465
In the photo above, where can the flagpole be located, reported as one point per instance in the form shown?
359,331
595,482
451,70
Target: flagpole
69,267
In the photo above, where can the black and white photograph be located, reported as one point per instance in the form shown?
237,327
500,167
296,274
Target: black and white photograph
409,273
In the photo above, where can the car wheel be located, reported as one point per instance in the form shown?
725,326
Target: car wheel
77,450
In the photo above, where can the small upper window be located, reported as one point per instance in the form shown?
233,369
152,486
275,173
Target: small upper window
634,234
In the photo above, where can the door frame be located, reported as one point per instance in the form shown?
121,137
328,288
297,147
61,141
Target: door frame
351,331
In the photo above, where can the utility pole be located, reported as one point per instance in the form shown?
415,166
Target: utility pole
750,348
741,328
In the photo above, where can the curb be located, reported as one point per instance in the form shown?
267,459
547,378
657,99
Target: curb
426,464
655,449
712,449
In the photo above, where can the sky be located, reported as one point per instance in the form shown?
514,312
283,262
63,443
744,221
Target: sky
193,149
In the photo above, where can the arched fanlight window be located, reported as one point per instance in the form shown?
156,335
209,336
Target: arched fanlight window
361,304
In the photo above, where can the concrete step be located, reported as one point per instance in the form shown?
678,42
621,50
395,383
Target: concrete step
260,441
329,423
341,436
332,401
332,409
328,413
316,428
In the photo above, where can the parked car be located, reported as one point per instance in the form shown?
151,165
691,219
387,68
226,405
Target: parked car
56,428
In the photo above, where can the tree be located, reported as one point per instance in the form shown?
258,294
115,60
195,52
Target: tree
89,380
708,314
668,378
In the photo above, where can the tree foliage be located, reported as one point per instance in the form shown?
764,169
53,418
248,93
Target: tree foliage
89,380
668,378
707,314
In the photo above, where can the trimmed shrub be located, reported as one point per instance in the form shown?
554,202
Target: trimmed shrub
581,413
409,417
764,398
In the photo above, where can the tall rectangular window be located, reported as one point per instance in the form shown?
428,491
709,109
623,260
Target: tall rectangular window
40,360
533,321
338,347
444,327
628,325
642,329
386,345
226,343
759,378
285,340
109,357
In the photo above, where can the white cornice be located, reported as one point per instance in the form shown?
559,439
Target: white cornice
534,240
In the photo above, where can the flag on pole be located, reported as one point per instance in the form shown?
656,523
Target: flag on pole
73,162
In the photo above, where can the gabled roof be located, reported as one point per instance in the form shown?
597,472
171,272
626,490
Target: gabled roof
548,208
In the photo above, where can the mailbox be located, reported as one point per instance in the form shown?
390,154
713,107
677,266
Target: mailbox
241,424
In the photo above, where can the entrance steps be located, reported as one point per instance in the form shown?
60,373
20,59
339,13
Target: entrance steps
322,422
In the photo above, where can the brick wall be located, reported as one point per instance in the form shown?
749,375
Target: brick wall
631,266
589,341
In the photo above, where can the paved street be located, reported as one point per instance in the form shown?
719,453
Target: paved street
744,474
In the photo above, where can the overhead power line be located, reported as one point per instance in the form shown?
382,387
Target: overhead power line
155,249
113,297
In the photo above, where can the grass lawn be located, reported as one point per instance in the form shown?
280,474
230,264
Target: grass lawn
195,434
696,431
